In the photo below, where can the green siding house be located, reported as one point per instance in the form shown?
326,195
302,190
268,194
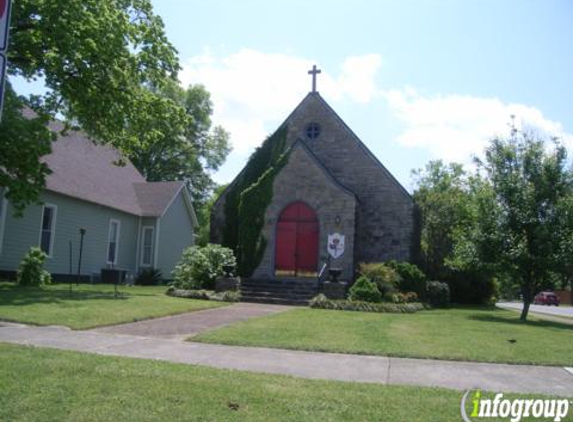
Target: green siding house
130,224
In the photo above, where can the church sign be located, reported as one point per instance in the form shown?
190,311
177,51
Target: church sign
335,245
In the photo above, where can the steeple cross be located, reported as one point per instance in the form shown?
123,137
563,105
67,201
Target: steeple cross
314,71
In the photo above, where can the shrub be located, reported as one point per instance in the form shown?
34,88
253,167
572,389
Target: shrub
379,272
386,278
199,267
204,295
438,294
189,294
31,269
149,277
227,296
407,297
322,302
365,290
412,279
472,287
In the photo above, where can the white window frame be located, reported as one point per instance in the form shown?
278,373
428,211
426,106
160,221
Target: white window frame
152,246
53,228
116,251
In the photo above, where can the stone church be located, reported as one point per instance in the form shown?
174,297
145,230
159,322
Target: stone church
333,202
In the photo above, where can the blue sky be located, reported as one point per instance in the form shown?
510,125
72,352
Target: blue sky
416,80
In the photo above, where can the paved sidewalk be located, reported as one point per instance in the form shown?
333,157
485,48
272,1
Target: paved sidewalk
375,369
189,324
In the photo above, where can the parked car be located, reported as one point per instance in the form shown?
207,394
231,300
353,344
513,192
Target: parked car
546,298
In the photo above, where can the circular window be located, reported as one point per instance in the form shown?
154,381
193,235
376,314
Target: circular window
312,130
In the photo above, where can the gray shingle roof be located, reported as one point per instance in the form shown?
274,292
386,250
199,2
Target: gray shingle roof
84,170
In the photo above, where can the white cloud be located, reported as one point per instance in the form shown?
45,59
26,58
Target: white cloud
253,91
455,127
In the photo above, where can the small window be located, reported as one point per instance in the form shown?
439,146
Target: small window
147,246
113,241
48,229
312,130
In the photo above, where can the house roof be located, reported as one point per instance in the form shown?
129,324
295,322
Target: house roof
155,197
85,170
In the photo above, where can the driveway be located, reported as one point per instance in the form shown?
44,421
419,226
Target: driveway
557,311
192,323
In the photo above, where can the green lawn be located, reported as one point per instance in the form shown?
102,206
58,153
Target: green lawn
479,334
49,385
90,305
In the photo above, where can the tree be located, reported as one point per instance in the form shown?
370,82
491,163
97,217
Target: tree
103,63
204,215
441,193
517,211
183,145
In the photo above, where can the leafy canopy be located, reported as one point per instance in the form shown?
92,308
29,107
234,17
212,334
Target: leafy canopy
108,68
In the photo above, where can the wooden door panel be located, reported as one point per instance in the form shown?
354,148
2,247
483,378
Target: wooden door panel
286,247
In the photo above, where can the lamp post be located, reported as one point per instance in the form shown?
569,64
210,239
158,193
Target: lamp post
82,234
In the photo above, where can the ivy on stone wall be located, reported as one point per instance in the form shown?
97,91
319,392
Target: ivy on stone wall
252,206
247,200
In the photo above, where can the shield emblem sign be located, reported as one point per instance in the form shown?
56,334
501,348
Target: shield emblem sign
335,245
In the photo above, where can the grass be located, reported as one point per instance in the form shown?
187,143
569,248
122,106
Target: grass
90,306
49,385
469,334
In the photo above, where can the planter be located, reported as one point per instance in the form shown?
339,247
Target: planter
334,273
225,284
335,291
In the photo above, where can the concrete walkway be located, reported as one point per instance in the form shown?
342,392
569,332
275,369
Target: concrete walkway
374,369
192,323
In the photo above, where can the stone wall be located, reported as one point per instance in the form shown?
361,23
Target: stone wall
385,215
303,179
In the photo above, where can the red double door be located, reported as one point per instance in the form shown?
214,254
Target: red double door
297,241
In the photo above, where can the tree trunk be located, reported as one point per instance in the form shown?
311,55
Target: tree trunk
525,310
527,299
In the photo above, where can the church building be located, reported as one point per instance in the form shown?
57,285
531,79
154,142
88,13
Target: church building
319,196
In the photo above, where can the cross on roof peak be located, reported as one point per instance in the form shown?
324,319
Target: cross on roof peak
314,71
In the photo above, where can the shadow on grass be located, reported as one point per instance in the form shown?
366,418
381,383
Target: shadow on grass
517,321
19,295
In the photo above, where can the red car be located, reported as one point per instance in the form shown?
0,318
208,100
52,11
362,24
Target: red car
546,298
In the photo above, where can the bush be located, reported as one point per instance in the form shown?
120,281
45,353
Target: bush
406,297
412,279
365,290
149,277
322,302
31,269
472,287
227,296
204,295
379,272
199,267
386,278
438,294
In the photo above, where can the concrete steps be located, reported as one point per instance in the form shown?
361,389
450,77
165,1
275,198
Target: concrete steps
280,292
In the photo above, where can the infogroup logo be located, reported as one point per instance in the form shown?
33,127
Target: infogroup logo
512,409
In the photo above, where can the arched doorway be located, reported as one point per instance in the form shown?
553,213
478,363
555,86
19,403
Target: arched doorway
297,241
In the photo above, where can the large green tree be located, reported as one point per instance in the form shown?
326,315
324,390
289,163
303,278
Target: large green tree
442,195
104,64
181,146
518,211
